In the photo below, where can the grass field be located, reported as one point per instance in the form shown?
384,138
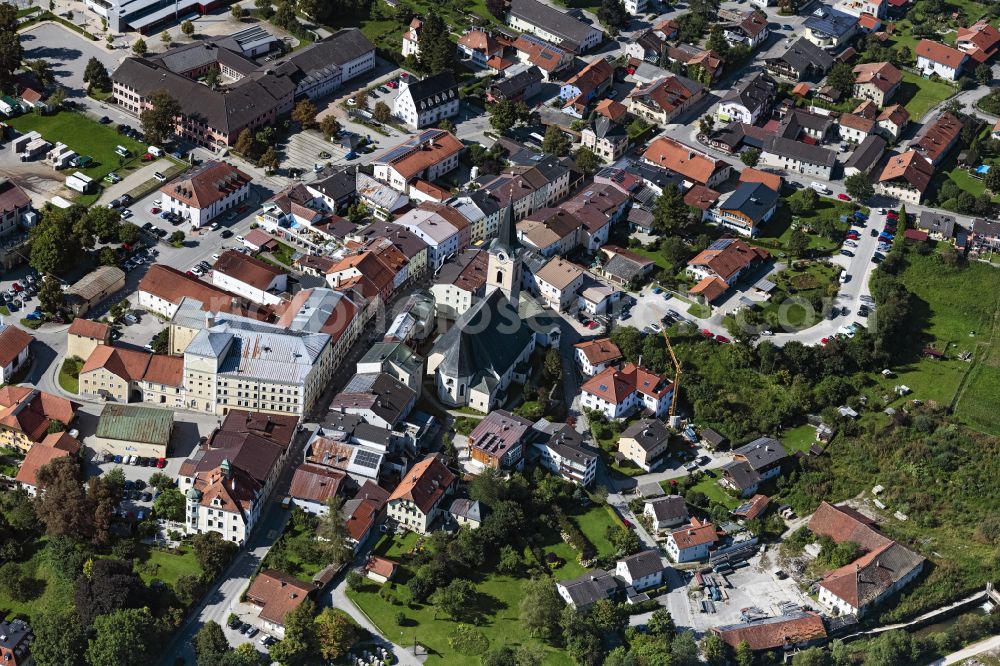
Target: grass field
594,524
798,439
69,375
709,485
167,566
86,137
54,592
777,232
920,95
498,602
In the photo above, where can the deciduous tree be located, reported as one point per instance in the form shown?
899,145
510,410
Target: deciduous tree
304,113
336,632
586,160
381,112
60,638
64,507
329,126
187,27
11,51
139,47
158,121
300,646
121,638
107,585
454,598
750,157
859,186
541,607
212,552
170,505
210,644
555,142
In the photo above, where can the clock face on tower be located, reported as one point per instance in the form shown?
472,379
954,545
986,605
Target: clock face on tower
502,256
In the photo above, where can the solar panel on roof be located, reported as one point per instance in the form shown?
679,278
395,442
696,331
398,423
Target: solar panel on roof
366,459
720,244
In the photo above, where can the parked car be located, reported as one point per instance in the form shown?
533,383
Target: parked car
226,233
721,338
847,253
214,226
160,177
105,120
234,622
118,460
863,311
874,233
161,463
843,197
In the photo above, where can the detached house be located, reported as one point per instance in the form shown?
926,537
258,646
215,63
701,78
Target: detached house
876,81
757,461
425,103
277,594
905,177
892,121
937,58
249,277
594,356
721,264
666,512
605,138
751,31
980,41
586,85
499,440
479,47
619,393
830,28
642,570
802,61
691,543
663,100
748,101
644,443
647,46
561,450
417,501
746,209
411,38
212,190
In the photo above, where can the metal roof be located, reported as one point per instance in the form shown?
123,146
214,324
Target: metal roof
133,423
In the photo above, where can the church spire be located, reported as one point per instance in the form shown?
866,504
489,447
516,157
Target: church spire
507,235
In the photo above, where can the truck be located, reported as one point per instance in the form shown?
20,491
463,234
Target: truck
819,187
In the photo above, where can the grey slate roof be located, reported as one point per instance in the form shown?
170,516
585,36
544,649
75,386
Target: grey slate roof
466,508
672,507
762,452
606,128
752,199
803,152
742,474
514,85
336,183
648,433
591,587
433,91
830,21
803,54
753,93
867,154
485,341
937,223
643,564
552,20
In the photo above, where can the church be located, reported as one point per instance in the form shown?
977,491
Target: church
489,346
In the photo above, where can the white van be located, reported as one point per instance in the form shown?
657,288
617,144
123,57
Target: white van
122,150
155,151
844,277
819,187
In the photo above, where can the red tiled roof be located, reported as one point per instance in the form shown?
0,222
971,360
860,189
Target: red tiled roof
13,341
38,456
701,197
31,411
939,137
912,167
86,328
772,180
601,350
882,75
710,288
686,161
248,270
614,386
695,534
727,261
940,53
278,594
381,566
774,633
212,183
425,483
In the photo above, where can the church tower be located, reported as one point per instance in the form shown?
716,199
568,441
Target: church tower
504,267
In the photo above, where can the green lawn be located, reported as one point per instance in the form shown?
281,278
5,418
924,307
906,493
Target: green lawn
594,524
776,233
498,602
69,375
283,254
709,485
167,566
798,439
920,95
54,592
809,285
86,137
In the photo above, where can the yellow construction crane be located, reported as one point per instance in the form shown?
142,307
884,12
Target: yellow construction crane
677,374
